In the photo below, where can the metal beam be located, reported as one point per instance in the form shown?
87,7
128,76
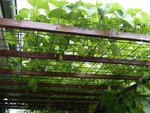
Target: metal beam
36,107
45,102
29,97
10,23
11,53
52,85
72,75
50,93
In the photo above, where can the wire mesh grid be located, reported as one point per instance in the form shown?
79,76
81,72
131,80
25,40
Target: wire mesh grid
67,44
64,44
35,41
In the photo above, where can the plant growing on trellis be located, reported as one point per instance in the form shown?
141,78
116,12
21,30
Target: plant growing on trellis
108,17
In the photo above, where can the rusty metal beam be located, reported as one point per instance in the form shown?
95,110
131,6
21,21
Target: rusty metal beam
45,102
11,53
50,93
28,25
73,75
53,106
29,97
52,85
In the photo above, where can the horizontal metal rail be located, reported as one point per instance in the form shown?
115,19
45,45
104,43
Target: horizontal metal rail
73,75
10,23
54,106
52,85
50,93
29,97
43,102
11,53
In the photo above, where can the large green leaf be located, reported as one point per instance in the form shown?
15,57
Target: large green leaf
144,18
75,14
34,13
103,9
89,10
32,2
125,16
24,13
115,6
39,4
134,12
119,13
58,13
67,9
58,3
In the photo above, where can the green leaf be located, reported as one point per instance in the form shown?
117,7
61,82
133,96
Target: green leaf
60,57
32,2
39,4
134,110
101,48
75,14
109,88
143,88
103,9
58,3
144,18
92,108
141,79
42,4
89,10
63,42
42,18
146,75
11,38
33,84
128,18
33,14
134,12
119,13
116,6
24,13
67,9
125,16
79,3
58,13
81,50
147,109
115,50
25,45
140,100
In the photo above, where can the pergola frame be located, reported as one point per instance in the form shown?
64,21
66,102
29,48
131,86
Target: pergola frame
62,29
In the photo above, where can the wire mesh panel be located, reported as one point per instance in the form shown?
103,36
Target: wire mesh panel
43,42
